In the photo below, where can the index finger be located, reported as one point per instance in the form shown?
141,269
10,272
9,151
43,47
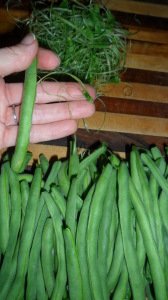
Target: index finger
50,92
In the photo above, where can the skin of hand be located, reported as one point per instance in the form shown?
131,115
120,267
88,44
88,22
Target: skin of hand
58,104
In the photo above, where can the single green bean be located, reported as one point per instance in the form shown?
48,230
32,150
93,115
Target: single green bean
23,136
41,291
24,188
70,216
59,200
4,208
44,163
81,245
15,221
34,256
73,267
146,192
122,285
73,164
112,235
63,179
125,207
61,277
52,176
96,210
92,157
104,231
116,265
47,256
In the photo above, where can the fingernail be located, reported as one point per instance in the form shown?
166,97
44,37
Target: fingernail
28,39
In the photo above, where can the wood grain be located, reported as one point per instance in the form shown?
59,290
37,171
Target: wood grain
126,123
133,107
138,7
147,62
146,34
138,91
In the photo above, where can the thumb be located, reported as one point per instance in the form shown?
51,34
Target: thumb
17,58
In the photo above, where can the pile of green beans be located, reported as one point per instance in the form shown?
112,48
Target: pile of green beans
91,226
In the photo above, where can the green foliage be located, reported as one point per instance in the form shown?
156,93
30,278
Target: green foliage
87,38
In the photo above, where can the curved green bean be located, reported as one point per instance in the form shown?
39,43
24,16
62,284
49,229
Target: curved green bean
4,208
73,267
96,210
125,207
23,136
47,256
61,277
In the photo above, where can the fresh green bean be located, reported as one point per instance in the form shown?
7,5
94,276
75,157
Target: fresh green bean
93,230
41,292
44,163
146,192
23,136
73,267
26,161
150,245
27,235
73,165
135,175
47,256
116,265
104,231
26,177
59,200
63,179
163,207
121,288
34,256
60,283
52,176
125,207
6,284
112,235
70,217
4,208
157,217
92,157
81,245
14,226
24,188
155,171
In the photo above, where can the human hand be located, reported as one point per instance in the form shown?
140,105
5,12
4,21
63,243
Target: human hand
58,105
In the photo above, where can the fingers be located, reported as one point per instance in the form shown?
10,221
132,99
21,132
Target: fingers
47,60
49,92
49,113
41,133
17,58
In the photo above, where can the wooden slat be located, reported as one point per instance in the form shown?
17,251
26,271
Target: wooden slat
133,107
137,91
137,7
146,34
126,123
147,62
139,47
